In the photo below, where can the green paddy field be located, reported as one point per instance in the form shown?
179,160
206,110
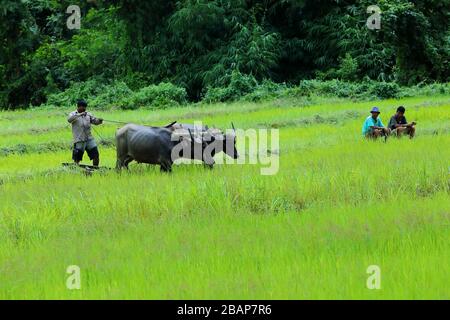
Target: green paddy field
337,205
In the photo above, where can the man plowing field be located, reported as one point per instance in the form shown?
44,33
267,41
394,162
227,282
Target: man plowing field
82,137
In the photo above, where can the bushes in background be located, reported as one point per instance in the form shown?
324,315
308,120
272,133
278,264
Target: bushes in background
332,88
87,89
343,89
366,90
111,95
118,94
240,87
156,96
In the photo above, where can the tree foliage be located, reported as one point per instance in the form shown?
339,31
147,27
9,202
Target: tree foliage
200,44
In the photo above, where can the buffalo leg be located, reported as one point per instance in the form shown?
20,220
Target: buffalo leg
119,164
166,167
128,160
123,163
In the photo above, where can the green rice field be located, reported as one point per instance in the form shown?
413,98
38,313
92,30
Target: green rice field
337,205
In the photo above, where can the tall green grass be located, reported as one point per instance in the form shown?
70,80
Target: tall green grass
337,205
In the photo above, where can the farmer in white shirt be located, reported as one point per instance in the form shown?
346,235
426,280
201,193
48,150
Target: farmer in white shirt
82,138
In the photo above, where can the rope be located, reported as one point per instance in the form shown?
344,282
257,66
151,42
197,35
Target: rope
97,133
143,124
114,121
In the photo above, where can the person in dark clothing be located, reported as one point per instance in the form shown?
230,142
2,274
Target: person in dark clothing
400,126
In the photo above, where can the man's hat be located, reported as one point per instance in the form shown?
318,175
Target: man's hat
375,110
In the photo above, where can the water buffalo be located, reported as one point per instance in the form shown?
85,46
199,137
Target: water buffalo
155,145
163,145
215,139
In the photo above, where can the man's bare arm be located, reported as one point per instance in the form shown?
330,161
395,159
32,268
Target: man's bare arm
96,121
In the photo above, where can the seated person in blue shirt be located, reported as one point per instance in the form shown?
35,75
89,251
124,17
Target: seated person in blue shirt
373,126
400,126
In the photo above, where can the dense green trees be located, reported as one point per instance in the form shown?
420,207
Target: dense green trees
199,44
